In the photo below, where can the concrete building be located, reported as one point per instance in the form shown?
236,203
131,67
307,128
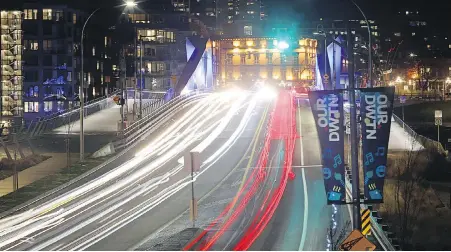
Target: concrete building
163,39
247,60
11,75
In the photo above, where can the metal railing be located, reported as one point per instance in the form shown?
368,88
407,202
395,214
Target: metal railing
154,116
381,236
54,121
424,141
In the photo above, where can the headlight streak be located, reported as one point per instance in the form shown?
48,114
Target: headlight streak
88,187
148,205
131,163
107,177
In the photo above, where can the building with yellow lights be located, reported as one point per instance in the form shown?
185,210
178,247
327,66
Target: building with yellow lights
247,60
11,105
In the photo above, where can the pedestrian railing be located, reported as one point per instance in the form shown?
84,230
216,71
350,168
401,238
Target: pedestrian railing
424,141
154,116
54,121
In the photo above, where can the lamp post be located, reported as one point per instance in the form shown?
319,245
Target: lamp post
370,57
82,82
81,92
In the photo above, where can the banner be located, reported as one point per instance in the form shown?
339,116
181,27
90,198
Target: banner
376,111
327,108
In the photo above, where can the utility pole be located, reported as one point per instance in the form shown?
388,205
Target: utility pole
135,66
141,84
354,138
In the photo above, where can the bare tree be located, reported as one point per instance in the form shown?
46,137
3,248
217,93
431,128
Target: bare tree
409,194
336,235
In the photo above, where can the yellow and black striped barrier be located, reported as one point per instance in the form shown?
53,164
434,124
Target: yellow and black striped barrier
366,222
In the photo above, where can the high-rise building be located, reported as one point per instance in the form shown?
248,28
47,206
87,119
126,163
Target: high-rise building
52,56
241,18
163,39
11,76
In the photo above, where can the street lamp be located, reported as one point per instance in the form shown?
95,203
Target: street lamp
82,82
130,4
370,61
81,92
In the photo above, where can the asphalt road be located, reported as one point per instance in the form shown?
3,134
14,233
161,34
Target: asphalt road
303,217
122,211
213,203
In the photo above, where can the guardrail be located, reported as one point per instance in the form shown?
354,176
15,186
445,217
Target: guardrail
381,235
153,117
46,124
424,141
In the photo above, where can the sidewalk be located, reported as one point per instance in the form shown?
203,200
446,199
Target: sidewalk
37,172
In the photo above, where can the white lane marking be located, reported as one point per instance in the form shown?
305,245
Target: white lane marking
304,227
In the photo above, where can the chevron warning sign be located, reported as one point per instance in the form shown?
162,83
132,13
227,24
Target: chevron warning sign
366,222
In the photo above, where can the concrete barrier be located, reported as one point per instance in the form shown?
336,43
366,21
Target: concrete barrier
104,151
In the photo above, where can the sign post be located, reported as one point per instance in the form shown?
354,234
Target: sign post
402,100
192,163
438,122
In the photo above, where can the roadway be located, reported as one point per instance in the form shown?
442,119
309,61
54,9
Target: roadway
303,217
121,208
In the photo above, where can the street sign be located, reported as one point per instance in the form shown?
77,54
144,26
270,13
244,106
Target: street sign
357,242
438,114
402,99
191,161
438,121
366,222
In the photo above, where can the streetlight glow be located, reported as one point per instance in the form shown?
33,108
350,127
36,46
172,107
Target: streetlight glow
283,45
130,3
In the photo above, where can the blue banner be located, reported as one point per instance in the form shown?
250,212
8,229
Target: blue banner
376,111
327,108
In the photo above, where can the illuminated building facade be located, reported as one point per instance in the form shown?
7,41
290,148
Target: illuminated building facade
251,59
163,36
11,105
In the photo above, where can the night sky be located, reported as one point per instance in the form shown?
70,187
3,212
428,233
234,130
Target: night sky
436,12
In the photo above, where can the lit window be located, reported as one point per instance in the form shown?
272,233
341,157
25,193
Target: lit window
98,65
89,78
31,14
106,41
449,46
397,34
69,76
74,18
47,14
248,30
48,106
114,67
31,107
93,51
413,34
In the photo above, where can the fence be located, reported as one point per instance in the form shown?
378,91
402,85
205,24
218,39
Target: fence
153,114
43,125
424,141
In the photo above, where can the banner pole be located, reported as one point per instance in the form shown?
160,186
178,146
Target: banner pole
354,144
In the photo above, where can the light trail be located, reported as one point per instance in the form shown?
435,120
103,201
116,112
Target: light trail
131,184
